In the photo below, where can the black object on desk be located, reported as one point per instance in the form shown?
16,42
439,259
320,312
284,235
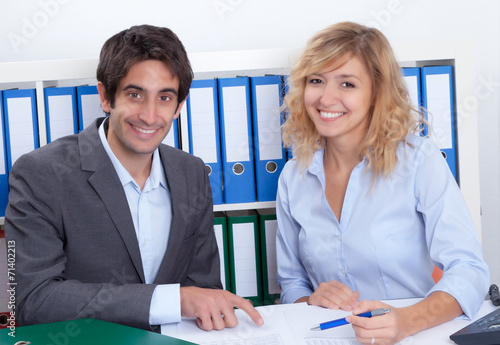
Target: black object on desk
494,295
485,331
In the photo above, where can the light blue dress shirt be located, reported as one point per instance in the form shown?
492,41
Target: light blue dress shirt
151,211
388,240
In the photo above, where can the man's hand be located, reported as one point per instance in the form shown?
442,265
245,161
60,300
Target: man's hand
214,309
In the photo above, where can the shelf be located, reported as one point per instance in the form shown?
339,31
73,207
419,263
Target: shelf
245,206
459,53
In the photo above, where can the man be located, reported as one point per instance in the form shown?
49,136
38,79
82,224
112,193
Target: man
109,223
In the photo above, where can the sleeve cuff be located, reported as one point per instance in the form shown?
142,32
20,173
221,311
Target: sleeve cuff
165,305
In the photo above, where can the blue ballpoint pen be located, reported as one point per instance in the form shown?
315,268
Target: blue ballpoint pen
341,322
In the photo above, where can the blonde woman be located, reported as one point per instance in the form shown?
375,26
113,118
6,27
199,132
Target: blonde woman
367,207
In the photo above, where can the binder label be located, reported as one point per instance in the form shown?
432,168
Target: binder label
268,119
91,108
63,124
20,127
235,124
203,133
439,106
245,267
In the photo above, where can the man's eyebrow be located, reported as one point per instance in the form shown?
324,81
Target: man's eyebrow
139,88
170,90
132,86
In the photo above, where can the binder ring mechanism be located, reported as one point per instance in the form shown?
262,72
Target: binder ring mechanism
238,168
271,167
208,169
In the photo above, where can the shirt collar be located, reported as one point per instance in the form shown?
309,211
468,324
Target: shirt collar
316,167
156,176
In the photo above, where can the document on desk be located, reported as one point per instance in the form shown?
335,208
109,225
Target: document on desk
283,325
301,321
275,330
290,324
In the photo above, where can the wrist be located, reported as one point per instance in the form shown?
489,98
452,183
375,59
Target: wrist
303,299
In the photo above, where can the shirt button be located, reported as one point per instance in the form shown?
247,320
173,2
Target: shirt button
343,272
340,238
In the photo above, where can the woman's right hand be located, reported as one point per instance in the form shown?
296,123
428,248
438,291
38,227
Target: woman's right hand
334,295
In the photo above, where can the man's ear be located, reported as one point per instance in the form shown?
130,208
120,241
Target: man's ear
179,108
106,107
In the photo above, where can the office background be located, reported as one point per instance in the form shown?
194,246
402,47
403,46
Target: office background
69,29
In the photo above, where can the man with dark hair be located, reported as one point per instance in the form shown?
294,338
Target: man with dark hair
110,223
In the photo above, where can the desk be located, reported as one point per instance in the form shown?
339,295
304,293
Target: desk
290,324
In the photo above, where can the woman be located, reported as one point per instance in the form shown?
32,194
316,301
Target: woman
366,208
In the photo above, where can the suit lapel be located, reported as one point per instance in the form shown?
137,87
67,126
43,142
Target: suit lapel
107,185
177,185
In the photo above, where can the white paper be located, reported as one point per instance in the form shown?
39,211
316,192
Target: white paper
275,330
236,124
20,127
60,109
268,120
91,108
301,322
439,107
290,324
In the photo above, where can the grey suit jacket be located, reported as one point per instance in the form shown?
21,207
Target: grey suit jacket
77,254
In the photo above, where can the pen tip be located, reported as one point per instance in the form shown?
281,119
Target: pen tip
315,328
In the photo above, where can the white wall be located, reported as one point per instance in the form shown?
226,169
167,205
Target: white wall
62,29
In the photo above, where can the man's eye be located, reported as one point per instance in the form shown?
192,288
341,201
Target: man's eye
165,98
134,95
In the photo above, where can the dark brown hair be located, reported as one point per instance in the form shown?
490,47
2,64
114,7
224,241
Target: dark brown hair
140,43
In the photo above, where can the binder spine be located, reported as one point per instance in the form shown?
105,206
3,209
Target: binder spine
236,139
204,131
270,156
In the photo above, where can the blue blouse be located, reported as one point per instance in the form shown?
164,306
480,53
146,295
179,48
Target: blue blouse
389,237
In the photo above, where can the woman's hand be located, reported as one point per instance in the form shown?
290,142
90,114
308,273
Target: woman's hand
399,323
385,329
334,295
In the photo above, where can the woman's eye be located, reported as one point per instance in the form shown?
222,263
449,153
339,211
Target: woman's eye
347,85
315,81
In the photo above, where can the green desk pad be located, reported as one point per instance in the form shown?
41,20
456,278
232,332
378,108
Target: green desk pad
84,332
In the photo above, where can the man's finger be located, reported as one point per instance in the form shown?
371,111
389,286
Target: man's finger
205,323
248,308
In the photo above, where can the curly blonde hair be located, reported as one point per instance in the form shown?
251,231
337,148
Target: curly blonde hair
392,117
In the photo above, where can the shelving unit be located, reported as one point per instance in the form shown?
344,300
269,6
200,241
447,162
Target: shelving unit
459,53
